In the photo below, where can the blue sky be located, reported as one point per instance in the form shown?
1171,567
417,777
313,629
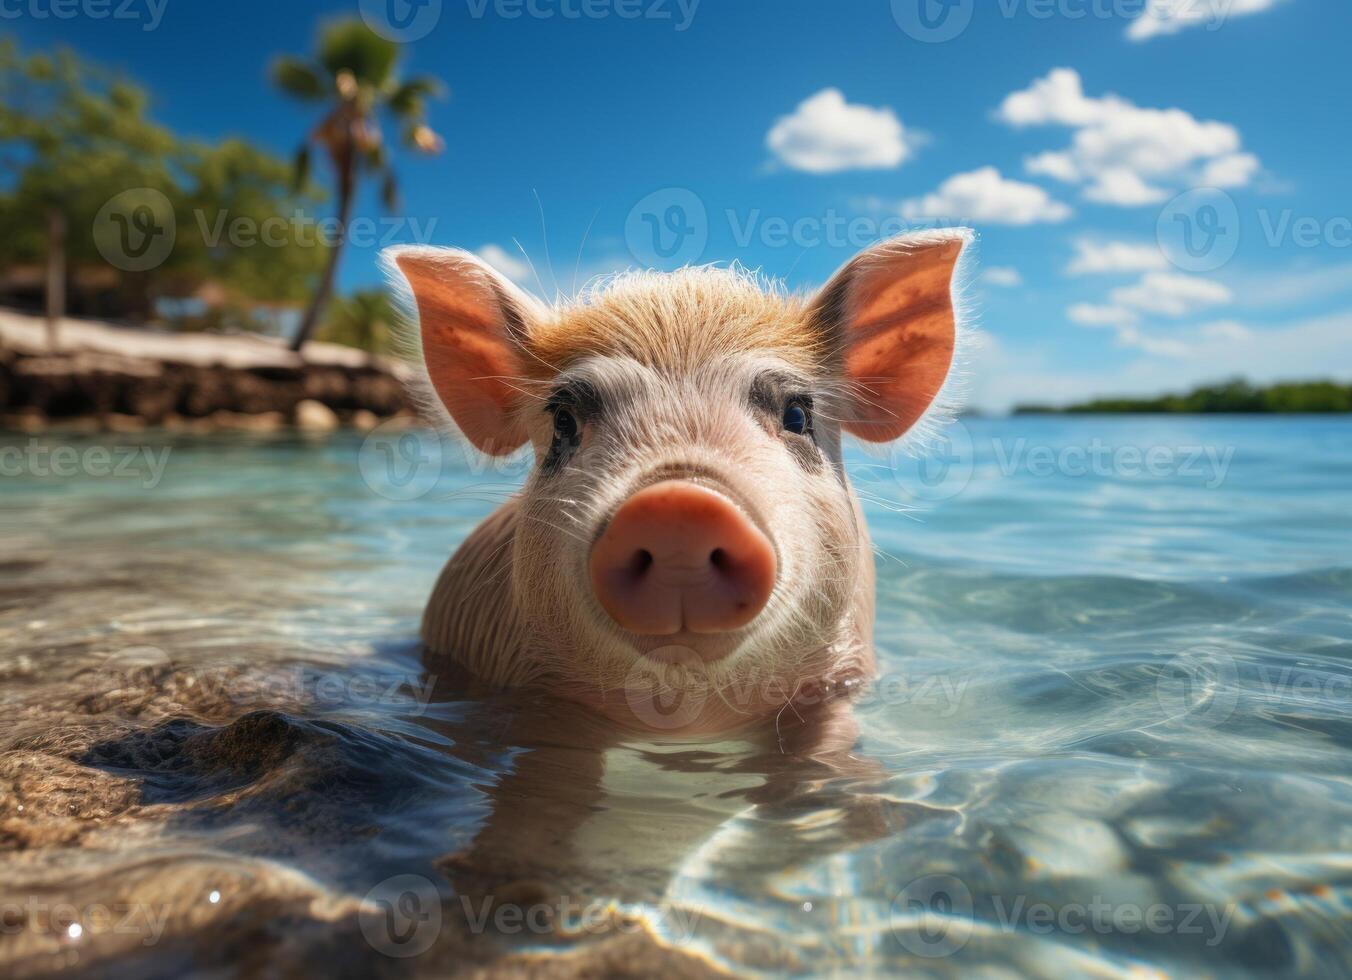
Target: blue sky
788,133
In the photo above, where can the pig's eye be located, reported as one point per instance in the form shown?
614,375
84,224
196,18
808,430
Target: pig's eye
797,417
565,424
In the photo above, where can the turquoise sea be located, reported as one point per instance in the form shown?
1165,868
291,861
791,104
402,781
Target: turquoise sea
1112,735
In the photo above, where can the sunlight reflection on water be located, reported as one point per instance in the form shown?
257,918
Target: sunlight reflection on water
1112,730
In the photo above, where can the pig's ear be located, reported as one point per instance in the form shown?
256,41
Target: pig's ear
471,323
892,311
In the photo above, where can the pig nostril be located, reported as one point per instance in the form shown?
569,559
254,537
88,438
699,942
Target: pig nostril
640,563
679,558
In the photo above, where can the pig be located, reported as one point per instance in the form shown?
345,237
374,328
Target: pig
687,546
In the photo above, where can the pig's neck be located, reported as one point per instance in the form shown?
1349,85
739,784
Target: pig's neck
470,616
472,619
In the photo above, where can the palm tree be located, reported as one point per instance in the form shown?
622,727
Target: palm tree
356,72
362,320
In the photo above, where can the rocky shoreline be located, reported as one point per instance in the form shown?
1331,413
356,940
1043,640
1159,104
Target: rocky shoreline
110,378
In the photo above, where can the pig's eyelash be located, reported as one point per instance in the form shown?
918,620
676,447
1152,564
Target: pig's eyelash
580,395
772,390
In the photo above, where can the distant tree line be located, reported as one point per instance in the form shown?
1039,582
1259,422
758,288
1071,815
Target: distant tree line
1235,396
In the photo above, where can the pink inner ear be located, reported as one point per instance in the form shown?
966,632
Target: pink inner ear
902,329
469,358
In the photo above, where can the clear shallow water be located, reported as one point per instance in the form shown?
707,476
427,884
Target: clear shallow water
1112,735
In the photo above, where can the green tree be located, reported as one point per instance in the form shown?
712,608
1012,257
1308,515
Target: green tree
238,228
73,136
355,74
364,320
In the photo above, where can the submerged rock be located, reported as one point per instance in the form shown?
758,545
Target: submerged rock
315,416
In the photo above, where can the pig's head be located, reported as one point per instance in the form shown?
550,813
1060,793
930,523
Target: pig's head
688,492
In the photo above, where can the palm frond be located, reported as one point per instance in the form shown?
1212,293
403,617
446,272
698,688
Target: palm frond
410,98
298,79
349,45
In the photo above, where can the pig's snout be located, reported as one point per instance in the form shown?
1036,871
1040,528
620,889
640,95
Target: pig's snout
677,557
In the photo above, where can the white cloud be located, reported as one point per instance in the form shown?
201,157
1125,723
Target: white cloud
826,134
1158,346
1235,170
1170,294
1095,258
1058,99
985,196
1294,286
1060,166
1126,155
1171,16
1225,330
1003,376
1157,293
1090,315
1006,277
1123,188
517,270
